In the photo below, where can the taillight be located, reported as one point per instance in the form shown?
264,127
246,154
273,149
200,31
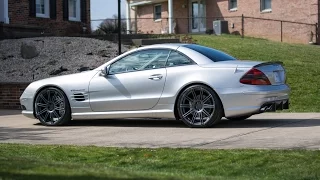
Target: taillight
255,77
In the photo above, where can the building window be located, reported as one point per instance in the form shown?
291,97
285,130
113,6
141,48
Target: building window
42,8
265,5
74,10
157,12
233,5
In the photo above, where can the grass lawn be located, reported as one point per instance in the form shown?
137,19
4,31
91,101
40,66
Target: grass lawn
302,63
71,162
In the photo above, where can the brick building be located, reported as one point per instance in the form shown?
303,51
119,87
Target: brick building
299,17
57,17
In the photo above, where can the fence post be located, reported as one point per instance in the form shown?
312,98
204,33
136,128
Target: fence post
317,34
281,30
1,30
119,27
242,26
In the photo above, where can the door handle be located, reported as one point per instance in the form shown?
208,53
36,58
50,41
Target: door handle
156,77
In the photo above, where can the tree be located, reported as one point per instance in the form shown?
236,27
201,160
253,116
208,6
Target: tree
110,26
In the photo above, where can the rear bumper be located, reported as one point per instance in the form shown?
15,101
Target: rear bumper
249,100
274,106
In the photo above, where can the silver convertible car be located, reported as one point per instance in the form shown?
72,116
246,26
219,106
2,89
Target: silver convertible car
192,83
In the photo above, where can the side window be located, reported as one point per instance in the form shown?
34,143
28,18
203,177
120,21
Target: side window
141,60
177,59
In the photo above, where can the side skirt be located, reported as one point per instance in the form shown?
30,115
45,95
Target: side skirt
125,114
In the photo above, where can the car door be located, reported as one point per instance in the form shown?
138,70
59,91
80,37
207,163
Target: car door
134,82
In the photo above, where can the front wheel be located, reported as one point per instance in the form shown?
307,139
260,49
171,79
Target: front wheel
199,106
52,107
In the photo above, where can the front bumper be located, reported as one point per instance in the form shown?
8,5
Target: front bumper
26,101
28,114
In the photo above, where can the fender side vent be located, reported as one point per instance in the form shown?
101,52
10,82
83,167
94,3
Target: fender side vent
79,97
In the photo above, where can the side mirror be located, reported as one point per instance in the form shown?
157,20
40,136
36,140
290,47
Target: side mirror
105,71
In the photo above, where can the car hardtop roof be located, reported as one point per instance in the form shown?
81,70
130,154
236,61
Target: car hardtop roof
170,46
166,45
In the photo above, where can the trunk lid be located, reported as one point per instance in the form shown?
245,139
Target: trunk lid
273,70
233,63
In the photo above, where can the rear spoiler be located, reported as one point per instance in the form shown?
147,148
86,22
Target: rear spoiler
269,63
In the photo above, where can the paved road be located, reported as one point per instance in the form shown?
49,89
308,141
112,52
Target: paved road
272,130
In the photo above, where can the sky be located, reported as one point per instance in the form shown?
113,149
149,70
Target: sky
102,9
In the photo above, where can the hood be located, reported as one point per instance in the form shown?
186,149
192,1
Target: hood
67,79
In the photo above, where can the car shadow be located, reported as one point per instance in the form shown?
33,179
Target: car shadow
8,133
8,112
130,123
269,123
161,123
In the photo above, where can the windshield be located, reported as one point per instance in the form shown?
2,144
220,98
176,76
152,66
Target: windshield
210,53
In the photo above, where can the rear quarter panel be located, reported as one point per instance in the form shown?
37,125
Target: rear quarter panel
220,79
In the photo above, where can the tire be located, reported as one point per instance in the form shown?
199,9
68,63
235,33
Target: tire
199,107
176,114
52,107
239,118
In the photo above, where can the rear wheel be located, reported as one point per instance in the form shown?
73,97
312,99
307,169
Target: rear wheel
239,118
176,114
52,107
199,106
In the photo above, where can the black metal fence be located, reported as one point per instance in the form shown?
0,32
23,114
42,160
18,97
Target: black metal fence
284,30
274,29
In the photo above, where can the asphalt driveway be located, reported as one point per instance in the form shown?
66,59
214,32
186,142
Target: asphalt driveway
270,130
